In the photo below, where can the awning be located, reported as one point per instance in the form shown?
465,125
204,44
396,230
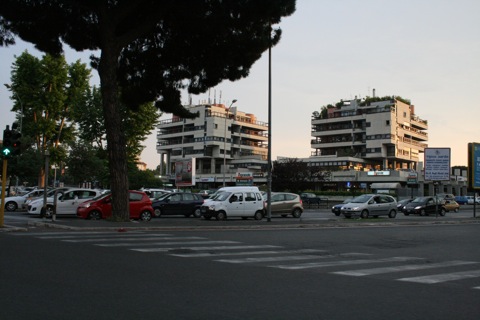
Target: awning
385,185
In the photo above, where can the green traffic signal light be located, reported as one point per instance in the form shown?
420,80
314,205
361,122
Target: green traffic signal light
6,152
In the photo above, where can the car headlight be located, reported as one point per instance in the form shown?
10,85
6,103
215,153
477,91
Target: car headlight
418,207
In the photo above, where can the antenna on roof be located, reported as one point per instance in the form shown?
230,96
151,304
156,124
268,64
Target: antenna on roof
220,98
208,96
215,96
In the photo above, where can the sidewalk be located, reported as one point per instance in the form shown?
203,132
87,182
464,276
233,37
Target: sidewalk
159,224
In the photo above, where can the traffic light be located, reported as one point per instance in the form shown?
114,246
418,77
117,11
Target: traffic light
7,143
16,141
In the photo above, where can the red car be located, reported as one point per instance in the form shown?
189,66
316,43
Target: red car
101,207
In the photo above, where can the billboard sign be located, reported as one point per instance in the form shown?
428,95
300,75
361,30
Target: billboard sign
185,172
474,165
437,164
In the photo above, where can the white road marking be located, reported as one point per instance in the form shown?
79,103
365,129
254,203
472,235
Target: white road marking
128,244
444,277
203,248
366,272
217,254
342,263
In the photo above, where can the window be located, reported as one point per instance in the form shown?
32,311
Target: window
249,196
387,122
135,196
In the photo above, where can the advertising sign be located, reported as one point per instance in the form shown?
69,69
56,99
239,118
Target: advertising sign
185,172
437,164
474,165
244,179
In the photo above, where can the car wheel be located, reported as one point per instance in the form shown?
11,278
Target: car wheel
337,214
364,214
95,215
392,214
456,210
197,213
423,213
221,215
157,212
11,206
297,213
145,216
258,215
46,213
442,212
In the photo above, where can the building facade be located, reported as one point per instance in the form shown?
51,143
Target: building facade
384,134
229,146
375,145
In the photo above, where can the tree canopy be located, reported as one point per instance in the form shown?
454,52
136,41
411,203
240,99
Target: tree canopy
149,51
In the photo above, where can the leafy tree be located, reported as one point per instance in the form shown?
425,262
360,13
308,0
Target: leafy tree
150,51
45,91
289,174
86,163
137,124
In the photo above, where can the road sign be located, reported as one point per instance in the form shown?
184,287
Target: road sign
437,164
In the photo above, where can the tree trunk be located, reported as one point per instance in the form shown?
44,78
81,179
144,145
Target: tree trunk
116,142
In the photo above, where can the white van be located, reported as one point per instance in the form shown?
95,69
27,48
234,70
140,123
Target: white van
244,202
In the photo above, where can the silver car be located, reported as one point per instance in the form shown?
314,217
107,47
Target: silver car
370,205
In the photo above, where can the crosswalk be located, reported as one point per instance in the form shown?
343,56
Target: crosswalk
352,264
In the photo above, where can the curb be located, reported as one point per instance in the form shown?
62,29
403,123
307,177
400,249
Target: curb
326,225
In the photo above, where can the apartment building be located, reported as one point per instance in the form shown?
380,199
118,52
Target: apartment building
369,134
229,146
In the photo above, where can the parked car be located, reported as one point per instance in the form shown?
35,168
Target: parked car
451,205
402,203
100,207
178,203
336,208
425,206
244,202
154,193
67,202
310,198
17,202
370,205
461,199
284,203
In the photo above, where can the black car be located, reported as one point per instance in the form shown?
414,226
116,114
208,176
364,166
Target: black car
402,203
310,198
336,208
178,203
425,206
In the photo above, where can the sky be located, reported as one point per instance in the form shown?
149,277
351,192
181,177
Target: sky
422,50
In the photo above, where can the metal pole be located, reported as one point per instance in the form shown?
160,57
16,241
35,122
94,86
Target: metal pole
4,183
45,184
269,157
225,142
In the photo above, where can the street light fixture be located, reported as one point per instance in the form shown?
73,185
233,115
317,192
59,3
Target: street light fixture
225,142
9,87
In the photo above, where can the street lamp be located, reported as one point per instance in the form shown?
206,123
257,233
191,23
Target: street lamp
9,87
225,142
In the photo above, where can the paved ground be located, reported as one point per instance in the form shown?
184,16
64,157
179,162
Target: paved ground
311,218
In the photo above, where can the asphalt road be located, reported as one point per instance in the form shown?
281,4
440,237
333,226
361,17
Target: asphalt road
360,272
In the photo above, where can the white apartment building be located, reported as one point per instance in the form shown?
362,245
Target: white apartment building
218,136
369,134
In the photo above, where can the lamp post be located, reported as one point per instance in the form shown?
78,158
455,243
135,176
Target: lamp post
225,142
9,87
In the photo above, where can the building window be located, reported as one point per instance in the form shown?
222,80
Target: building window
404,114
216,125
387,122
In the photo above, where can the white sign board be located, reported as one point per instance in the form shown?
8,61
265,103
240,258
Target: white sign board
437,164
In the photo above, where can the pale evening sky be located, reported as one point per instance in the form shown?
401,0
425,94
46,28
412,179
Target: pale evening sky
423,50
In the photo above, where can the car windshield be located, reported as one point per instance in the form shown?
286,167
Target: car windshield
162,196
101,196
419,200
221,196
361,199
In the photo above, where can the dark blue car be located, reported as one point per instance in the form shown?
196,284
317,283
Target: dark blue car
461,199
